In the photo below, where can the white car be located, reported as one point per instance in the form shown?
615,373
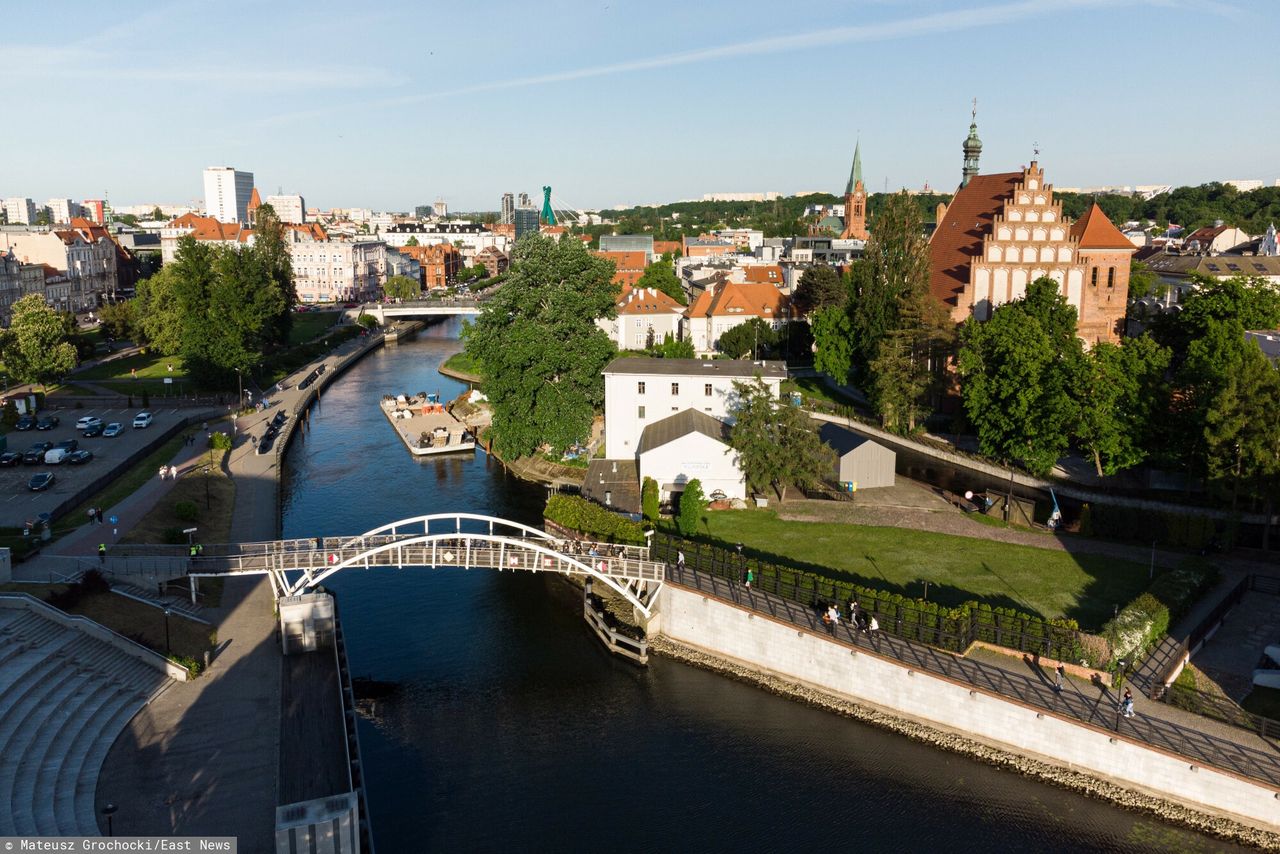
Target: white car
142,419
88,421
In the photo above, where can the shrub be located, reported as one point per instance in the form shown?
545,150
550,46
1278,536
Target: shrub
220,441
368,321
692,506
190,663
649,499
589,518
9,415
187,511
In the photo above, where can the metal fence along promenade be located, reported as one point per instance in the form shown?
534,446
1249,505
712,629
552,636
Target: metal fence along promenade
1100,711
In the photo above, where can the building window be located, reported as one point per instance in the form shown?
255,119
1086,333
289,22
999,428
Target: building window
706,390
1093,277
640,414
640,390
1111,277
675,388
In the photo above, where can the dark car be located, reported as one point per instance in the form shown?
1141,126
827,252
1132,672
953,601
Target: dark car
10,458
68,445
26,422
40,482
93,430
79,457
47,422
34,455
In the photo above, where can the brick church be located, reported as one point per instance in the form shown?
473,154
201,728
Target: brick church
1003,231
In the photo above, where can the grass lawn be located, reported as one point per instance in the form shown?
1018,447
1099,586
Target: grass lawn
816,387
1038,581
310,324
150,365
213,519
463,363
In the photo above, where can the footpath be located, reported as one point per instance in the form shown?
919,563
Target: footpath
204,757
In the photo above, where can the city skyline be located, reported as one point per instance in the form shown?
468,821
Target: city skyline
613,105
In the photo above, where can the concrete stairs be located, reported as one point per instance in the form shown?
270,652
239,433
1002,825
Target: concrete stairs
64,699
149,595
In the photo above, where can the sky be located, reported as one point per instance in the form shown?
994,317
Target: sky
388,105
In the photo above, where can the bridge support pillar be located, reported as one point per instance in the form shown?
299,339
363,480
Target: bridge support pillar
306,622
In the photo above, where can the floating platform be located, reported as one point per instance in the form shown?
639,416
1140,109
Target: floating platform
425,426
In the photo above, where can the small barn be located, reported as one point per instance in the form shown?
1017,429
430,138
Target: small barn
859,460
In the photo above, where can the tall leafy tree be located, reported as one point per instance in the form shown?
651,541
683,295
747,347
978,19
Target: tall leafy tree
1017,378
1242,433
538,346
897,267
1121,393
820,287
159,315
661,275
270,247
832,332
747,340
898,384
402,287
776,442
35,348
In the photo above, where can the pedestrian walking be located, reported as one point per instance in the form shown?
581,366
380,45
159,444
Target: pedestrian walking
679,560
833,618
173,472
163,471
873,626
91,516
1059,674
1126,704
751,576
102,553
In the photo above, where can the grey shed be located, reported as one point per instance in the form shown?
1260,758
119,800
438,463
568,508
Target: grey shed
858,459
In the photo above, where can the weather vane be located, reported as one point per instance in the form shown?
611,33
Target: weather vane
1035,149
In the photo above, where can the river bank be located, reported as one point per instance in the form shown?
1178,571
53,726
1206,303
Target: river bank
953,742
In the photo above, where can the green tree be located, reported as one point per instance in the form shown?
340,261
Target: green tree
270,248
157,215
649,499
896,267
44,216
692,506
747,340
412,241
670,348
402,288
1017,374
159,314
1121,393
776,442
1143,282
820,287
35,348
119,319
661,275
898,385
832,332
1242,434
538,346
1249,303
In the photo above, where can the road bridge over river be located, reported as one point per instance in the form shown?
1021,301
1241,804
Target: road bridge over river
442,307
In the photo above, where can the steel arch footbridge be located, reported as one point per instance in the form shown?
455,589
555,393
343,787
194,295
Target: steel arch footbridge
464,540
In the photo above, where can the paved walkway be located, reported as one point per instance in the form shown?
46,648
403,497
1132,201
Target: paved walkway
204,758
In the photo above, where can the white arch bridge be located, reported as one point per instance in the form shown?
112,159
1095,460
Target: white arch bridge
464,540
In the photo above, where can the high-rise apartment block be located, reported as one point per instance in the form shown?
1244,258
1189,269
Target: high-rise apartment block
226,193
292,209
20,211
95,210
62,210
508,209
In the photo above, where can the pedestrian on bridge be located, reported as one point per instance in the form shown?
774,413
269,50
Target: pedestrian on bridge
679,560
833,618
751,576
1059,674
102,552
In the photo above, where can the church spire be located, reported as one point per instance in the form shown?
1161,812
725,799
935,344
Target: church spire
972,148
855,174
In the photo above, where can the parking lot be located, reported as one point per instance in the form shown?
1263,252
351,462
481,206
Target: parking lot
19,504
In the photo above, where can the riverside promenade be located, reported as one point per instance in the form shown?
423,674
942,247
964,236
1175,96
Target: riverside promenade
204,758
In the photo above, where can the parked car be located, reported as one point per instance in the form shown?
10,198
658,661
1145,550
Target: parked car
143,419
56,456
26,422
68,445
115,428
87,421
10,458
79,457
93,430
35,454
40,482
47,422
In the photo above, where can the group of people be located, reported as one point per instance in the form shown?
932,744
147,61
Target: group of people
168,472
859,619
95,515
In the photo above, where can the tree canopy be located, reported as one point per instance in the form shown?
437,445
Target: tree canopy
36,347
820,287
538,346
661,275
747,340
402,288
776,442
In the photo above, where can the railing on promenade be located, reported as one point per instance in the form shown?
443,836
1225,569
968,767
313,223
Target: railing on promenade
1099,711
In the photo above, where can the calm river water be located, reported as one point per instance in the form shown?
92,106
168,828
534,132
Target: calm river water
514,730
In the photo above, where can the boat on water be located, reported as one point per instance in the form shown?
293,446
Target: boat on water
425,424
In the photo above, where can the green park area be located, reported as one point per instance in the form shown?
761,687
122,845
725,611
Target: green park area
1082,587
311,324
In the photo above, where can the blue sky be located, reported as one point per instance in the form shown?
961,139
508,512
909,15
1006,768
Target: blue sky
387,105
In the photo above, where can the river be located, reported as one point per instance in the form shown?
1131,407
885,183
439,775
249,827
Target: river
514,730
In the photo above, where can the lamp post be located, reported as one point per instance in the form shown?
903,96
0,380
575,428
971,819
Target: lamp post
109,810
207,502
167,649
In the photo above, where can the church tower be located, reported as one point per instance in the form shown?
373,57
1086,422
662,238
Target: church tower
855,201
972,149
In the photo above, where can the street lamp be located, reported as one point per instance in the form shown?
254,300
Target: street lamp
207,503
167,649
109,810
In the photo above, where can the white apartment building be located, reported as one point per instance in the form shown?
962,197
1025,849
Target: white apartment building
337,270
645,315
20,211
290,209
640,392
87,260
62,210
226,193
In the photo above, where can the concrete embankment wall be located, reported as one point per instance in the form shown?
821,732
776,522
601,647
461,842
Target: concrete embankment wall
779,649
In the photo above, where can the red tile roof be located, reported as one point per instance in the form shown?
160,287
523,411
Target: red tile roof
647,301
764,274
958,238
625,260
255,201
1095,231
742,300
313,230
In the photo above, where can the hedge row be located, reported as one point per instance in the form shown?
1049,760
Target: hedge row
1140,624
579,514
1180,530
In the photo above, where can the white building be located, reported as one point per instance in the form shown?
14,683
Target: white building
288,208
639,392
750,238
86,257
337,270
728,305
226,193
742,197
62,210
689,445
20,211
645,316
